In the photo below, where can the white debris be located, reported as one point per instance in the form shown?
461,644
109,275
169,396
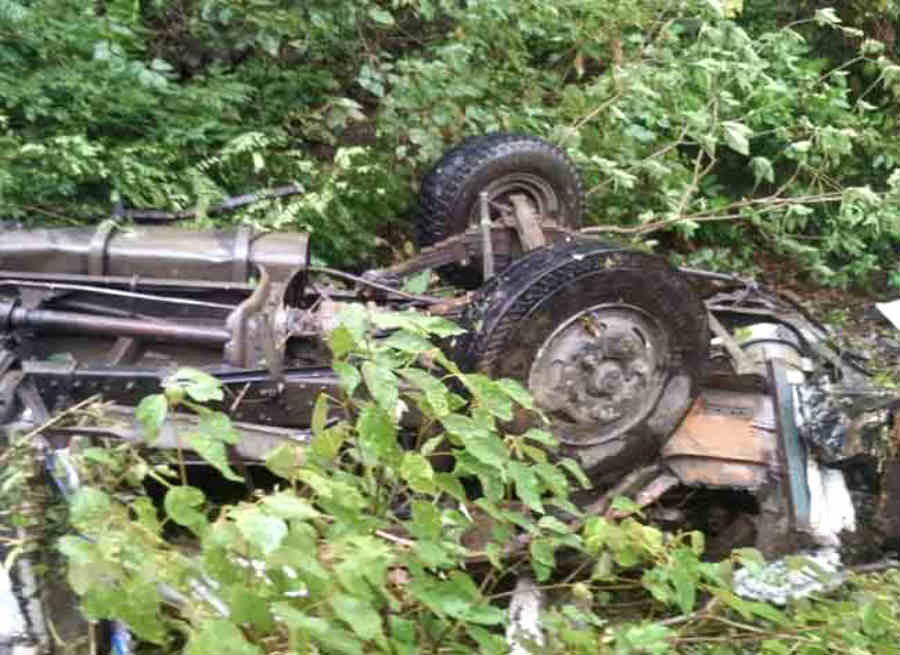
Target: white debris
776,582
830,506
891,311
14,637
524,616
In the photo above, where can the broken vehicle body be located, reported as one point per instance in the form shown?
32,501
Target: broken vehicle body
701,382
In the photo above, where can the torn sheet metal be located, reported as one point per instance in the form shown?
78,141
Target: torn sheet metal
726,440
840,422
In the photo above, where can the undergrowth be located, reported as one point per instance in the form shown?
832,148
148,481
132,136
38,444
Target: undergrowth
381,538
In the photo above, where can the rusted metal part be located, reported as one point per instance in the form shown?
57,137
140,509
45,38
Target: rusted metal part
14,278
44,320
239,350
726,440
525,219
153,251
265,401
487,243
468,245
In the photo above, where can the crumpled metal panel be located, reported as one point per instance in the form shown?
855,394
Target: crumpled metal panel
154,252
728,439
843,421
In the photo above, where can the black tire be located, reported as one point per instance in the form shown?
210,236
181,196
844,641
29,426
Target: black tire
538,323
501,164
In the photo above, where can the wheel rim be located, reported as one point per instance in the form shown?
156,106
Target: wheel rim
540,194
601,372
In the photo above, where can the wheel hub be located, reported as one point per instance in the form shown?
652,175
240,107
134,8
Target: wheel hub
602,370
540,194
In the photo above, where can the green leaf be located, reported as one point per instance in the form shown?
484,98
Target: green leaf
263,531
648,638
89,509
543,558
218,636
827,16
360,616
382,384
327,444
213,452
737,135
248,607
685,588
354,318
285,460
403,635
426,520
199,385
341,341
554,524
408,342
625,506
542,437
527,487
100,456
515,390
450,485
377,434
554,478
762,170
285,505
381,16
151,413
490,396
436,393
145,513
766,611
348,375
417,472
319,414
418,283
181,505
572,467
698,542
305,627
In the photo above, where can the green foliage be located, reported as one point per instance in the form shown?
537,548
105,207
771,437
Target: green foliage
361,540
367,545
719,127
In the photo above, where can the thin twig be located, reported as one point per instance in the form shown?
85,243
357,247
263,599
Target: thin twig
409,543
685,618
58,417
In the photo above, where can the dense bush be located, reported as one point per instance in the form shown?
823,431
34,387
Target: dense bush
725,131
372,540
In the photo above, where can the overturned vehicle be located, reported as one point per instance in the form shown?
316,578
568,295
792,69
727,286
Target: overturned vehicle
707,398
